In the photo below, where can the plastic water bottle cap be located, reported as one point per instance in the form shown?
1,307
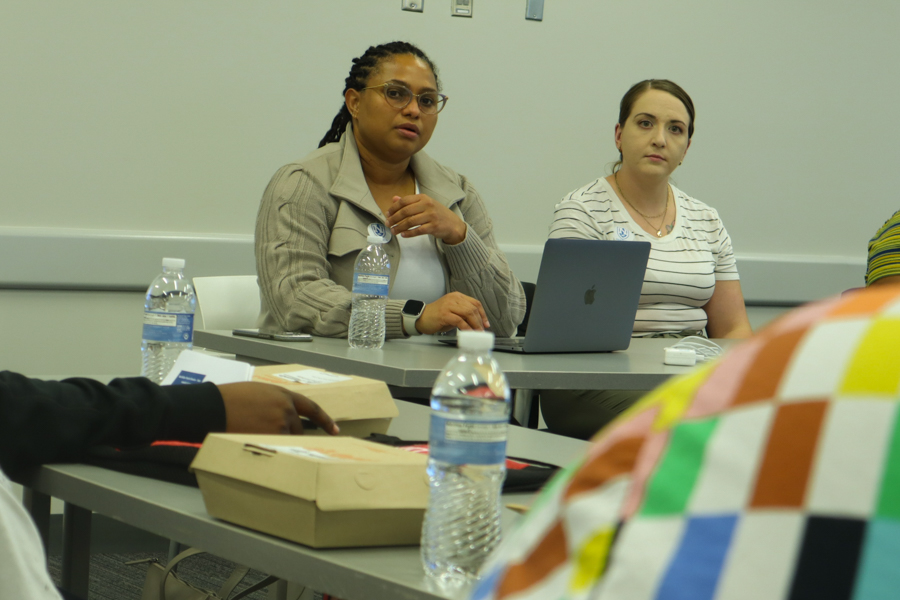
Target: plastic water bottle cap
173,263
375,239
475,340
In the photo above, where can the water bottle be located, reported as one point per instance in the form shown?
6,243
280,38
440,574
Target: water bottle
168,320
371,277
470,405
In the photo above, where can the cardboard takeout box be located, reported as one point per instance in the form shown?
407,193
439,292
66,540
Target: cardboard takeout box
319,491
359,405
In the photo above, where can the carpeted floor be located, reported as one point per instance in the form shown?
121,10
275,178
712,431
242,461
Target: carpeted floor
113,544
112,579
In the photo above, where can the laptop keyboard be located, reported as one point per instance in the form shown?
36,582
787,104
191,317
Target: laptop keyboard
515,342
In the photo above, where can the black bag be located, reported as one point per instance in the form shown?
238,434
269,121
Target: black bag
526,476
168,461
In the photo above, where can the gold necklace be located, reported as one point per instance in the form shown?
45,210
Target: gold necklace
647,218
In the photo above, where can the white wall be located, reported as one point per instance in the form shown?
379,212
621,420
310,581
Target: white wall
124,123
60,332
171,116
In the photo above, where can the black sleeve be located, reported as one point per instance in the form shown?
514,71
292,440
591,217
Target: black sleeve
57,421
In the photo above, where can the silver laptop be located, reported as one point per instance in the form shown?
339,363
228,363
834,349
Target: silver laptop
585,298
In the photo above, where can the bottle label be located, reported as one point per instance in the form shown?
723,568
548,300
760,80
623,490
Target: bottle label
169,327
461,442
371,285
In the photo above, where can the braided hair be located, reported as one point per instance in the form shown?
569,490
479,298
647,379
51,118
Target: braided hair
362,69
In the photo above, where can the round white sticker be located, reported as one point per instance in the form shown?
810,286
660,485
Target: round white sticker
381,231
624,234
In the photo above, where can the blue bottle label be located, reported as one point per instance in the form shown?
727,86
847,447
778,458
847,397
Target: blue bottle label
369,284
460,442
169,327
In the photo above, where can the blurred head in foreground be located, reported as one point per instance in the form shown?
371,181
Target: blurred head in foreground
773,472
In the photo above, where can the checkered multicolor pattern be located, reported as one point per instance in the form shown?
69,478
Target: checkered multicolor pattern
771,473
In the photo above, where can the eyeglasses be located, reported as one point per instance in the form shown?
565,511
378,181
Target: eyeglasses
398,96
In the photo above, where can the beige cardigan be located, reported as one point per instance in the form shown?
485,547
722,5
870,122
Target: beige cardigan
313,221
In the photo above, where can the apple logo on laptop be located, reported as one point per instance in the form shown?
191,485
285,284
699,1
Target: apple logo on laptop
589,295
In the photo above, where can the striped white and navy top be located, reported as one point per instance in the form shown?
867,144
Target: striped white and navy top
683,267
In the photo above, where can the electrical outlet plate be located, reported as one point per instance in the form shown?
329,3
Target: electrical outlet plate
461,8
413,5
534,10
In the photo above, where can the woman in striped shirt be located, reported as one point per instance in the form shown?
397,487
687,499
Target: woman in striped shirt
691,286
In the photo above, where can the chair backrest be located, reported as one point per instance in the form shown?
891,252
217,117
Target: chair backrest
230,302
528,288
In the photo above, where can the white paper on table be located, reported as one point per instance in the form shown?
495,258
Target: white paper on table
298,451
311,377
196,367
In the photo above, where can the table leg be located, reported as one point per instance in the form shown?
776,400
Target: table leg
522,400
76,557
38,506
278,590
174,550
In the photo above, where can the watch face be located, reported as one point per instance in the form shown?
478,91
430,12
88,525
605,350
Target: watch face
413,307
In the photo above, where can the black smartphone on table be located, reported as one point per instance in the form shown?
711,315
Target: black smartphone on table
286,336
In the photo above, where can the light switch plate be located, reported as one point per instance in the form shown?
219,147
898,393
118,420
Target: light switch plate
534,10
461,8
413,5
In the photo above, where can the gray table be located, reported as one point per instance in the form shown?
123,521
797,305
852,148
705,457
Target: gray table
178,512
416,363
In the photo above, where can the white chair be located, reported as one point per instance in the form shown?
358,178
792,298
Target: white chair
230,302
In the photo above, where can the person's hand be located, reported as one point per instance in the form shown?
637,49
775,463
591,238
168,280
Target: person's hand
252,407
427,217
452,310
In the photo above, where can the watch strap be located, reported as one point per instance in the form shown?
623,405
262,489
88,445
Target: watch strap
409,324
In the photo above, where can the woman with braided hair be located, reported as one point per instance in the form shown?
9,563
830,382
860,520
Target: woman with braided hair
370,176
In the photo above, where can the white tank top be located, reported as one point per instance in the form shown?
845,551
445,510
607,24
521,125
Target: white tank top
420,275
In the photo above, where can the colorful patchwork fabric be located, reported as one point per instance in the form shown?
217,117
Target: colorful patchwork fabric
771,473
884,251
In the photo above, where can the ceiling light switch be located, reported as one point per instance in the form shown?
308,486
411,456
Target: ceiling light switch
461,8
412,5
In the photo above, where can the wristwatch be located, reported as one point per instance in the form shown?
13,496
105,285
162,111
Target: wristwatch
411,312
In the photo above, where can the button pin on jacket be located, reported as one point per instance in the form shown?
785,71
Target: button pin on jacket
381,231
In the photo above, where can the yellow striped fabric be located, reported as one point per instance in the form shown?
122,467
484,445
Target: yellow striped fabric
884,251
